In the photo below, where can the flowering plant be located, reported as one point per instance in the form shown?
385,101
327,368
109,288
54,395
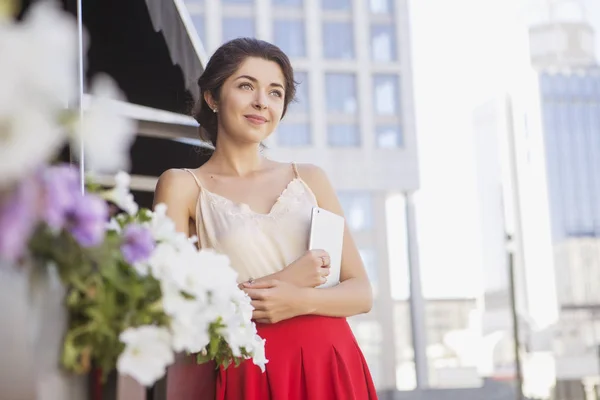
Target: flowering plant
137,291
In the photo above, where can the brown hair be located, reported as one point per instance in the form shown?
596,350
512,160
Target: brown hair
223,63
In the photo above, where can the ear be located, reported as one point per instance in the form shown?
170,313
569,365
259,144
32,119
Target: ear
208,97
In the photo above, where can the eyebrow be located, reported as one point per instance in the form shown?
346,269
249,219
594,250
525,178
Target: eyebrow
252,79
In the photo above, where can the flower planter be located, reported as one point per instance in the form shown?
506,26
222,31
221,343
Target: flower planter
31,299
31,307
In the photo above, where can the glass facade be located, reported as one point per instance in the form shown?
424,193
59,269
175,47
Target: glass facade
380,6
358,208
290,36
236,27
571,122
198,20
336,4
386,95
341,93
301,105
343,135
383,42
288,3
293,134
389,136
338,40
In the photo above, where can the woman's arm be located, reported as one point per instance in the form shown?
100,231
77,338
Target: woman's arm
186,380
176,189
351,297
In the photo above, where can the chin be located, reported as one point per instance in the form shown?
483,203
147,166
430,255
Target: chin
251,139
254,136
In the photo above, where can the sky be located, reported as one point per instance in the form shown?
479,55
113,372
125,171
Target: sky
464,51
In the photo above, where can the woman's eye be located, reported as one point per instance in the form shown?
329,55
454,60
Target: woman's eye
277,93
246,86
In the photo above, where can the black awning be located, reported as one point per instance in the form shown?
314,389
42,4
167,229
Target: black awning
127,42
149,47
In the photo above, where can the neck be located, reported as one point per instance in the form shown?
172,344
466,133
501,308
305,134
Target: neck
235,159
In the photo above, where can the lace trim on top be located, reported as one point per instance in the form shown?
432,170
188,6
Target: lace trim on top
291,196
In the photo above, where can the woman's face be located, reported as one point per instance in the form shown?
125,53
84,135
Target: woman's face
251,101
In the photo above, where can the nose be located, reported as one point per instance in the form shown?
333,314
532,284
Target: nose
260,102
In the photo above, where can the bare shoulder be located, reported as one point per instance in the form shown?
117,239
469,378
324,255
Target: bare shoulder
175,187
318,181
312,174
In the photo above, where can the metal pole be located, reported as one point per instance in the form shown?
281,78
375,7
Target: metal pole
515,323
78,153
417,302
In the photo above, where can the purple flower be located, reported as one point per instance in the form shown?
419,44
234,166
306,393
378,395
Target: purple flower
18,218
61,187
138,243
87,220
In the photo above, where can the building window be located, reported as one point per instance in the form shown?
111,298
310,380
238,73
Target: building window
358,209
380,6
293,135
343,135
300,106
338,40
237,27
386,95
288,3
341,93
198,20
389,136
336,5
290,36
383,42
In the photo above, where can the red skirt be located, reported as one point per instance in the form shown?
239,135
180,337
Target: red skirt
310,358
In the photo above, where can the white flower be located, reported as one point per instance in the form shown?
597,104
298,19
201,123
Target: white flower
113,225
259,356
147,353
191,333
39,59
218,275
161,226
37,68
163,259
120,194
106,135
28,138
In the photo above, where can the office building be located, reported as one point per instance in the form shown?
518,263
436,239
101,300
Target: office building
355,119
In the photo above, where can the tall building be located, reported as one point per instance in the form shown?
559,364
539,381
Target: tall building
553,125
514,215
355,119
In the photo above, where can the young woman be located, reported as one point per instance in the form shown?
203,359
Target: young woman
257,212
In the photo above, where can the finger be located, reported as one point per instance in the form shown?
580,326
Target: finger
318,253
261,284
326,261
260,314
258,305
325,271
256,294
262,321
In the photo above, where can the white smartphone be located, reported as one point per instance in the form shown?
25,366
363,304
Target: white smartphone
327,233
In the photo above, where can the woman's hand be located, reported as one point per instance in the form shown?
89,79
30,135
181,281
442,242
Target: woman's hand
310,270
275,301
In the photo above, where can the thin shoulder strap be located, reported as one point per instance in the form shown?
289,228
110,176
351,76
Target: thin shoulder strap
195,178
295,169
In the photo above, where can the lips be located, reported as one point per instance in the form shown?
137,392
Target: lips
256,119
